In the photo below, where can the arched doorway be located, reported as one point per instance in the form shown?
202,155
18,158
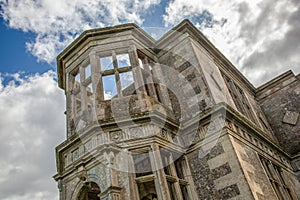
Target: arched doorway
150,197
89,191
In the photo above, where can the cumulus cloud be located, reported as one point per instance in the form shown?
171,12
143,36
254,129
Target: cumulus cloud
56,23
32,123
260,37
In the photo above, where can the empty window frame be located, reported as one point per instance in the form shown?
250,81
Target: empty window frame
147,190
275,175
174,169
81,83
76,98
151,83
117,76
239,98
142,164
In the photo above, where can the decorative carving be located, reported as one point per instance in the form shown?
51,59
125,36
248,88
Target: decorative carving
82,174
203,104
116,135
75,154
136,132
175,139
164,133
88,145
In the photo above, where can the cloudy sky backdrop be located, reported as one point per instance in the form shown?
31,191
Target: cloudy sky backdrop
260,37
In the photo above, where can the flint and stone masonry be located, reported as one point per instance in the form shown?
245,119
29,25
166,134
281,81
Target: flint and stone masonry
172,119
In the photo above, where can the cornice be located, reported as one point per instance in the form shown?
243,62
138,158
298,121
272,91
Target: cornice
275,84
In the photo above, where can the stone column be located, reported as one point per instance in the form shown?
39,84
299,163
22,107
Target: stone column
176,184
137,72
149,79
95,76
117,75
161,185
83,90
188,177
70,104
162,87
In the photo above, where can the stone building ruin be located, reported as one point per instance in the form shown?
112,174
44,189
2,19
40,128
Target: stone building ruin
172,119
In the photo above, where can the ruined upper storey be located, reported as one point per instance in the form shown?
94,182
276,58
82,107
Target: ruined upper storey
118,72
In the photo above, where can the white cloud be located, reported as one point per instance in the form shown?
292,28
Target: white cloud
253,35
32,123
56,23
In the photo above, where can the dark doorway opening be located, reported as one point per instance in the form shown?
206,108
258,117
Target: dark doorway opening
90,191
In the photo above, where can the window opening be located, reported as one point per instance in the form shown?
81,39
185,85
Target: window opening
147,191
90,191
87,71
171,190
184,192
166,161
109,86
123,60
77,80
142,164
179,167
117,77
127,83
275,175
106,63
141,63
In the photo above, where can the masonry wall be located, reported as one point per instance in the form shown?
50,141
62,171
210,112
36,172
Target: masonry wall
280,102
188,90
259,183
224,167
218,175
256,175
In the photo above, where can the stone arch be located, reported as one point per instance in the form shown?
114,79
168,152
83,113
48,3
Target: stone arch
92,178
89,191
150,196
95,178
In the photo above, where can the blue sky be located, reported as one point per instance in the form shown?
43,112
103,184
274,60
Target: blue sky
26,38
14,56
260,37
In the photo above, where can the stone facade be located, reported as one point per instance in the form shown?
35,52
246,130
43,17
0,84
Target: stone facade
172,119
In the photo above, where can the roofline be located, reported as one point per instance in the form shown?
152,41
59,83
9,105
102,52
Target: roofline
276,80
287,78
185,24
202,39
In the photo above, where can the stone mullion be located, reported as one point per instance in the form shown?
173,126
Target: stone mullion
242,101
132,183
188,177
113,172
83,95
178,194
137,73
244,104
70,102
149,80
163,89
161,185
277,183
96,78
117,75
236,98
